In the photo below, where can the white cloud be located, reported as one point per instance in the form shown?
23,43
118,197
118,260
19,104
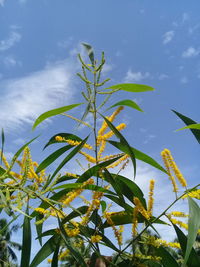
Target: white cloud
163,76
185,17
135,76
26,98
10,61
184,80
13,38
2,2
190,52
168,36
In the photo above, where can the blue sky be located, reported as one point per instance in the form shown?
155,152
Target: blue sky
148,42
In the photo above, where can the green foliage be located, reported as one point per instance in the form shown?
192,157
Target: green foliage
90,220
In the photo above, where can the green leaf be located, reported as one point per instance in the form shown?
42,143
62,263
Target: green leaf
90,52
52,157
39,227
54,262
26,241
193,226
76,213
138,155
129,189
194,259
74,253
48,248
91,187
166,258
69,156
2,143
189,121
130,152
128,103
132,87
93,171
114,184
70,136
52,113
103,205
191,126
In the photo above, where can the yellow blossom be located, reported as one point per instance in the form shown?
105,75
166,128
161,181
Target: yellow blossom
151,199
96,238
140,207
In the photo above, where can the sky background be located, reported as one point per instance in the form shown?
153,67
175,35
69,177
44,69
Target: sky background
149,42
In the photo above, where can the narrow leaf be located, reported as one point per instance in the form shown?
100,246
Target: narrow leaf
54,262
128,103
191,126
138,155
52,113
194,259
130,152
48,248
132,87
51,158
93,171
166,258
189,121
2,143
26,241
193,226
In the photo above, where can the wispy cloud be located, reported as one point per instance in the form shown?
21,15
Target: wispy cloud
135,76
2,2
10,61
168,36
25,98
184,80
190,52
12,39
163,76
185,17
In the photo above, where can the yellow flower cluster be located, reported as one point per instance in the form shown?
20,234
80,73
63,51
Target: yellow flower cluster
72,195
135,221
151,240
64,254
71,142
180,223
117,162
110,134
41,210
94,205
193,194
151,199
96,238
147,257
71,174
170,164
71,232
88,157
117,233
111,119
178,214
140,207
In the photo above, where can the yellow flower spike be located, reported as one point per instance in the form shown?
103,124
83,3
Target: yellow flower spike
167,166
140,207
193,194
88,157
178,214
64,254
135,221
5,162
59,138
41,210
117,162
96,238
71,174
111,119
102,148
174,167
111,133
151,199
117,234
